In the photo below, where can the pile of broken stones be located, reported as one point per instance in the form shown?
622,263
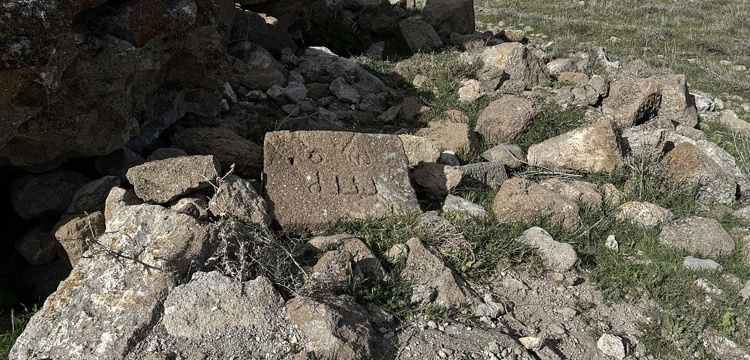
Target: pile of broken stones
133,238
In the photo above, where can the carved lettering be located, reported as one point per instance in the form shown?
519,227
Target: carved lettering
313,183
314,155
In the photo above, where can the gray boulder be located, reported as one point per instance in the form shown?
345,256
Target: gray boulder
510,155
165,180
555,255
212,303
114,293
700,236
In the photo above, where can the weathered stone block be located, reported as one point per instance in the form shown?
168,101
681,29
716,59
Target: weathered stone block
317,177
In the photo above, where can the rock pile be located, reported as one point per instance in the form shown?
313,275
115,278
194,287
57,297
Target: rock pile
146,235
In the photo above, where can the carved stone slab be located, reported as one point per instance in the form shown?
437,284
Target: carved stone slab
318,177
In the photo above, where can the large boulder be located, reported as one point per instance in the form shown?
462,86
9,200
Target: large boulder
109,66
115,292
593,148
253,306
317,177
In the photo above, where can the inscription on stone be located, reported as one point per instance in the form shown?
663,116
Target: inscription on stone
318,177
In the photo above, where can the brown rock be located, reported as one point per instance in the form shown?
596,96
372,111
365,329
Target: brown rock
576,191
733,123
503,120
411,107
593,148
573,77
334,327
632,101
235,197
521,201
513,35
690,166
228,147
419,149
165,180
423,267
317,177
436,180
451,136
456,116
76,234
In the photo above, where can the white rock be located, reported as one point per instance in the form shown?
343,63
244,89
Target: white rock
530,342
612,244
611,345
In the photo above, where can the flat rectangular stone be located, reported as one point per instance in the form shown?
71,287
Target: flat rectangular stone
318,177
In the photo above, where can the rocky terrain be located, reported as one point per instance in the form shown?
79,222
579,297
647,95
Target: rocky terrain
200,179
